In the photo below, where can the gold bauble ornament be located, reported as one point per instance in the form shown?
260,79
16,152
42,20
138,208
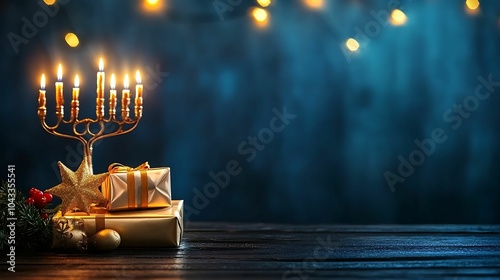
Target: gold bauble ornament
105,240
78,240
78,189
69,234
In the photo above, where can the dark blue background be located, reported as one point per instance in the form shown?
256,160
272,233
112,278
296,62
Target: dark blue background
355,114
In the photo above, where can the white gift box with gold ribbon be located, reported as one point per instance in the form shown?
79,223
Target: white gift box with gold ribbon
137,188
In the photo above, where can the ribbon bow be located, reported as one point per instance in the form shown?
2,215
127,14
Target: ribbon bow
118,167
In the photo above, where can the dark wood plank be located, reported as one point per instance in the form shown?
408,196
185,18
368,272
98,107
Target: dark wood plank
264,251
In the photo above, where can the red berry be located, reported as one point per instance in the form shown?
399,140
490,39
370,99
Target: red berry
33,190
48,197
44,215
29,201
41,202
36,194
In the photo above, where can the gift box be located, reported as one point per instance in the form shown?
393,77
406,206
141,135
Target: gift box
161,227
137,188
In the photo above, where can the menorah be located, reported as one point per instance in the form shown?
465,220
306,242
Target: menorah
86,135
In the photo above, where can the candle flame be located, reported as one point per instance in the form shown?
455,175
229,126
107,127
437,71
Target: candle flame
77,81
101,65
113,81
138,77
125,82
42,82
59,73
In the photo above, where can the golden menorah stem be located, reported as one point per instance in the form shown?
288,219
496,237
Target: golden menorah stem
75,108
42,112
86,136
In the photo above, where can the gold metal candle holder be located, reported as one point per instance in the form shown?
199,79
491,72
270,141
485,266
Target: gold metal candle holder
85,135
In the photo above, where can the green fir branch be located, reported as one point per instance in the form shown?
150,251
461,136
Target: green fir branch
32,232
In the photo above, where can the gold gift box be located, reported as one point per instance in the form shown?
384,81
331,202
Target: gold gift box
138,189
162,227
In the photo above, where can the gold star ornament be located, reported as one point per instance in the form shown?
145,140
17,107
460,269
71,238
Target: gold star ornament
78,189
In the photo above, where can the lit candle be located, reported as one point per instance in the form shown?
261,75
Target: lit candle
59,93
41,98
100,80
112,97
125,99
76,89
138,95
75,103
99,107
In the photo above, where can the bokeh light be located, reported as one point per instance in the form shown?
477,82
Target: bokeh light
153,6
352,44
472,7
260,17
314,4
49,2
264,3
72,39
472,4
398,17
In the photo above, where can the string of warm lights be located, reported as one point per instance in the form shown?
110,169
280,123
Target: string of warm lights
399,18
260,16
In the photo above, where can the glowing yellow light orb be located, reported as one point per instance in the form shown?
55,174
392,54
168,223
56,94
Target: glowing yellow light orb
153,6
352,44
264,3
152,2
398,17
259,14
72,40
472,4
49,2
314,4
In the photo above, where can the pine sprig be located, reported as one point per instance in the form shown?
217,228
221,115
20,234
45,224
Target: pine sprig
32,231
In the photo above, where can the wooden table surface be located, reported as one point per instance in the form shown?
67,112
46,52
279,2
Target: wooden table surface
267,251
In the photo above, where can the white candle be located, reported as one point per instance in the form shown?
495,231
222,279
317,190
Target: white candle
59,92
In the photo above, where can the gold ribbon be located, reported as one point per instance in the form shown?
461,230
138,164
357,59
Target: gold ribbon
98,209
118,167
144,189
100,222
